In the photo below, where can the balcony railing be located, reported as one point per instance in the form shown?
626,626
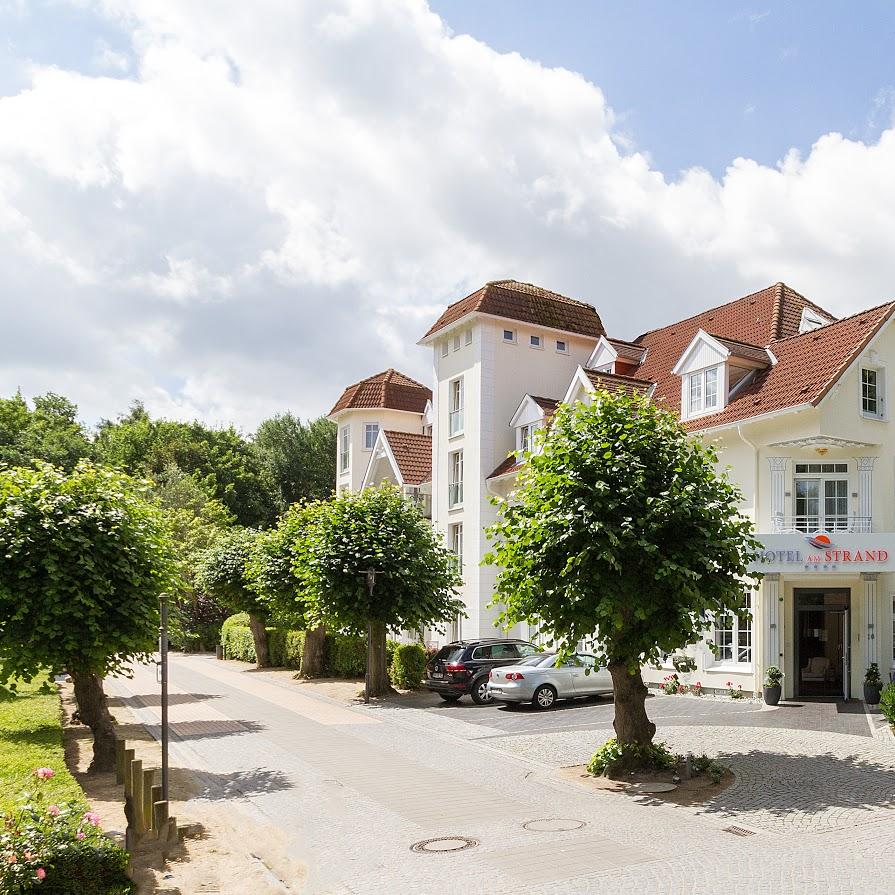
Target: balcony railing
455,494
455,422
421,500
813,523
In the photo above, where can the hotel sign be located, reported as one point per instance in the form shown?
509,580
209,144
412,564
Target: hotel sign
841,552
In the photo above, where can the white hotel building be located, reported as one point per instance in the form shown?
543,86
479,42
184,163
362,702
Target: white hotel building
794,400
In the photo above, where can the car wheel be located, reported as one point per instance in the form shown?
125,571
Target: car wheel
545,697
450,697
479,692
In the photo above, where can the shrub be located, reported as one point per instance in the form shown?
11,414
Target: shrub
344,655
408,665
887,703
773,677
195,623
58,850
236,636
872,676
613,756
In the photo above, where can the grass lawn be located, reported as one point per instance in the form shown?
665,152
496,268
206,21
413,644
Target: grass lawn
31,737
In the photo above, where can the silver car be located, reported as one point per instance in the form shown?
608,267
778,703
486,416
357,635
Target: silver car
541,681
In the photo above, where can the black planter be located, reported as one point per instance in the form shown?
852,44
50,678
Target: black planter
772,694
871,693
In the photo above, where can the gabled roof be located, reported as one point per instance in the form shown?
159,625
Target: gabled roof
628,351
412,454
510,466
808,365
526,303
390,390
753,353
758,320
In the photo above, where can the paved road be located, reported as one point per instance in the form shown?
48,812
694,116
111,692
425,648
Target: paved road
353,788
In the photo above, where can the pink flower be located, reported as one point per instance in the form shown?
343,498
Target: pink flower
729,684
55,810
45,773
12,859
92,818
40,873
80,835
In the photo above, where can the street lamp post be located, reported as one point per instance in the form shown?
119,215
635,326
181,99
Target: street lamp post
163,664
370,576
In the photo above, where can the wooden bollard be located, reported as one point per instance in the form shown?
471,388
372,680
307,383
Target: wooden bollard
120,746
155,796
128,758
146,807
160,817
137,794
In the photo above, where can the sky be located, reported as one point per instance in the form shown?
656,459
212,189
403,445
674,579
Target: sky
229,210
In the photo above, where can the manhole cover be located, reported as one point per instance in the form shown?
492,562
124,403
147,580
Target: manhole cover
651,787
554,825
444,844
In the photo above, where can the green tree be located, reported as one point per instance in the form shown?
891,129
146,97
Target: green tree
50,431
374,528
85,557
221,460
622,527
222,573
298,458
272,576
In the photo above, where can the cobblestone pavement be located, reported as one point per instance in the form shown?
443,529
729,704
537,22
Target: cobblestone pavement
354,787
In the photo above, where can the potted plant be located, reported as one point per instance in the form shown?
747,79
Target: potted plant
873,685
773,679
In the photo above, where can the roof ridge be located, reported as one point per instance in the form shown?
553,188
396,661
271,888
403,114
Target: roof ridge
718,307
810,332
738,341
551,292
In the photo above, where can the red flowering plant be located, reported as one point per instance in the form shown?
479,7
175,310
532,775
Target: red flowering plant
58,848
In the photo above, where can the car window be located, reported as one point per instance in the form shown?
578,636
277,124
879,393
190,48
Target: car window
527,649
548,661
481,652
533,660
587,660
448,654
504,651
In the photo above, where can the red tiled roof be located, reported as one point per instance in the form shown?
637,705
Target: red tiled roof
807,367
627,350
510,465
614,382
548,405
390,389
526,303
757,320
412,453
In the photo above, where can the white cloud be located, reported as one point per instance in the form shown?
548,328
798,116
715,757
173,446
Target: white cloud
278,198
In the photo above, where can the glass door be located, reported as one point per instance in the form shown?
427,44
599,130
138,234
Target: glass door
807,505
822,643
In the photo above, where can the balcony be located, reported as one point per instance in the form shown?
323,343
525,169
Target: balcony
813,523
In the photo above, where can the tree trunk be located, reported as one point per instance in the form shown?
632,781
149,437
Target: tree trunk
93,711
259,635
631,722
379,682
312,656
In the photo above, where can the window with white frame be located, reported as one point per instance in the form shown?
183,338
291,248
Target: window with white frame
344,448
371,430
733,637
872,397
535,341
526,437
445,347
703,392
821,497
469,337
455,539
562,346
457,342
455,406
455,478
509,335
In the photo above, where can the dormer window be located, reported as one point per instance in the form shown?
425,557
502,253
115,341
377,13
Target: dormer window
703,392
526,437
811,320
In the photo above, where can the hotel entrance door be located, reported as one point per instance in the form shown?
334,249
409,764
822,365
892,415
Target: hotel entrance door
822,642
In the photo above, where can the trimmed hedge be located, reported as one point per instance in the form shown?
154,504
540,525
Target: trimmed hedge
344,655
408,665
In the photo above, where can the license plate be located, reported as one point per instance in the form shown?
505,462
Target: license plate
437,674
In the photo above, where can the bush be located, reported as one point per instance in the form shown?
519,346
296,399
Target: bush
344,655
236,636
887,703
195,624
285,648
773,677
613,756
58,850
408,665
